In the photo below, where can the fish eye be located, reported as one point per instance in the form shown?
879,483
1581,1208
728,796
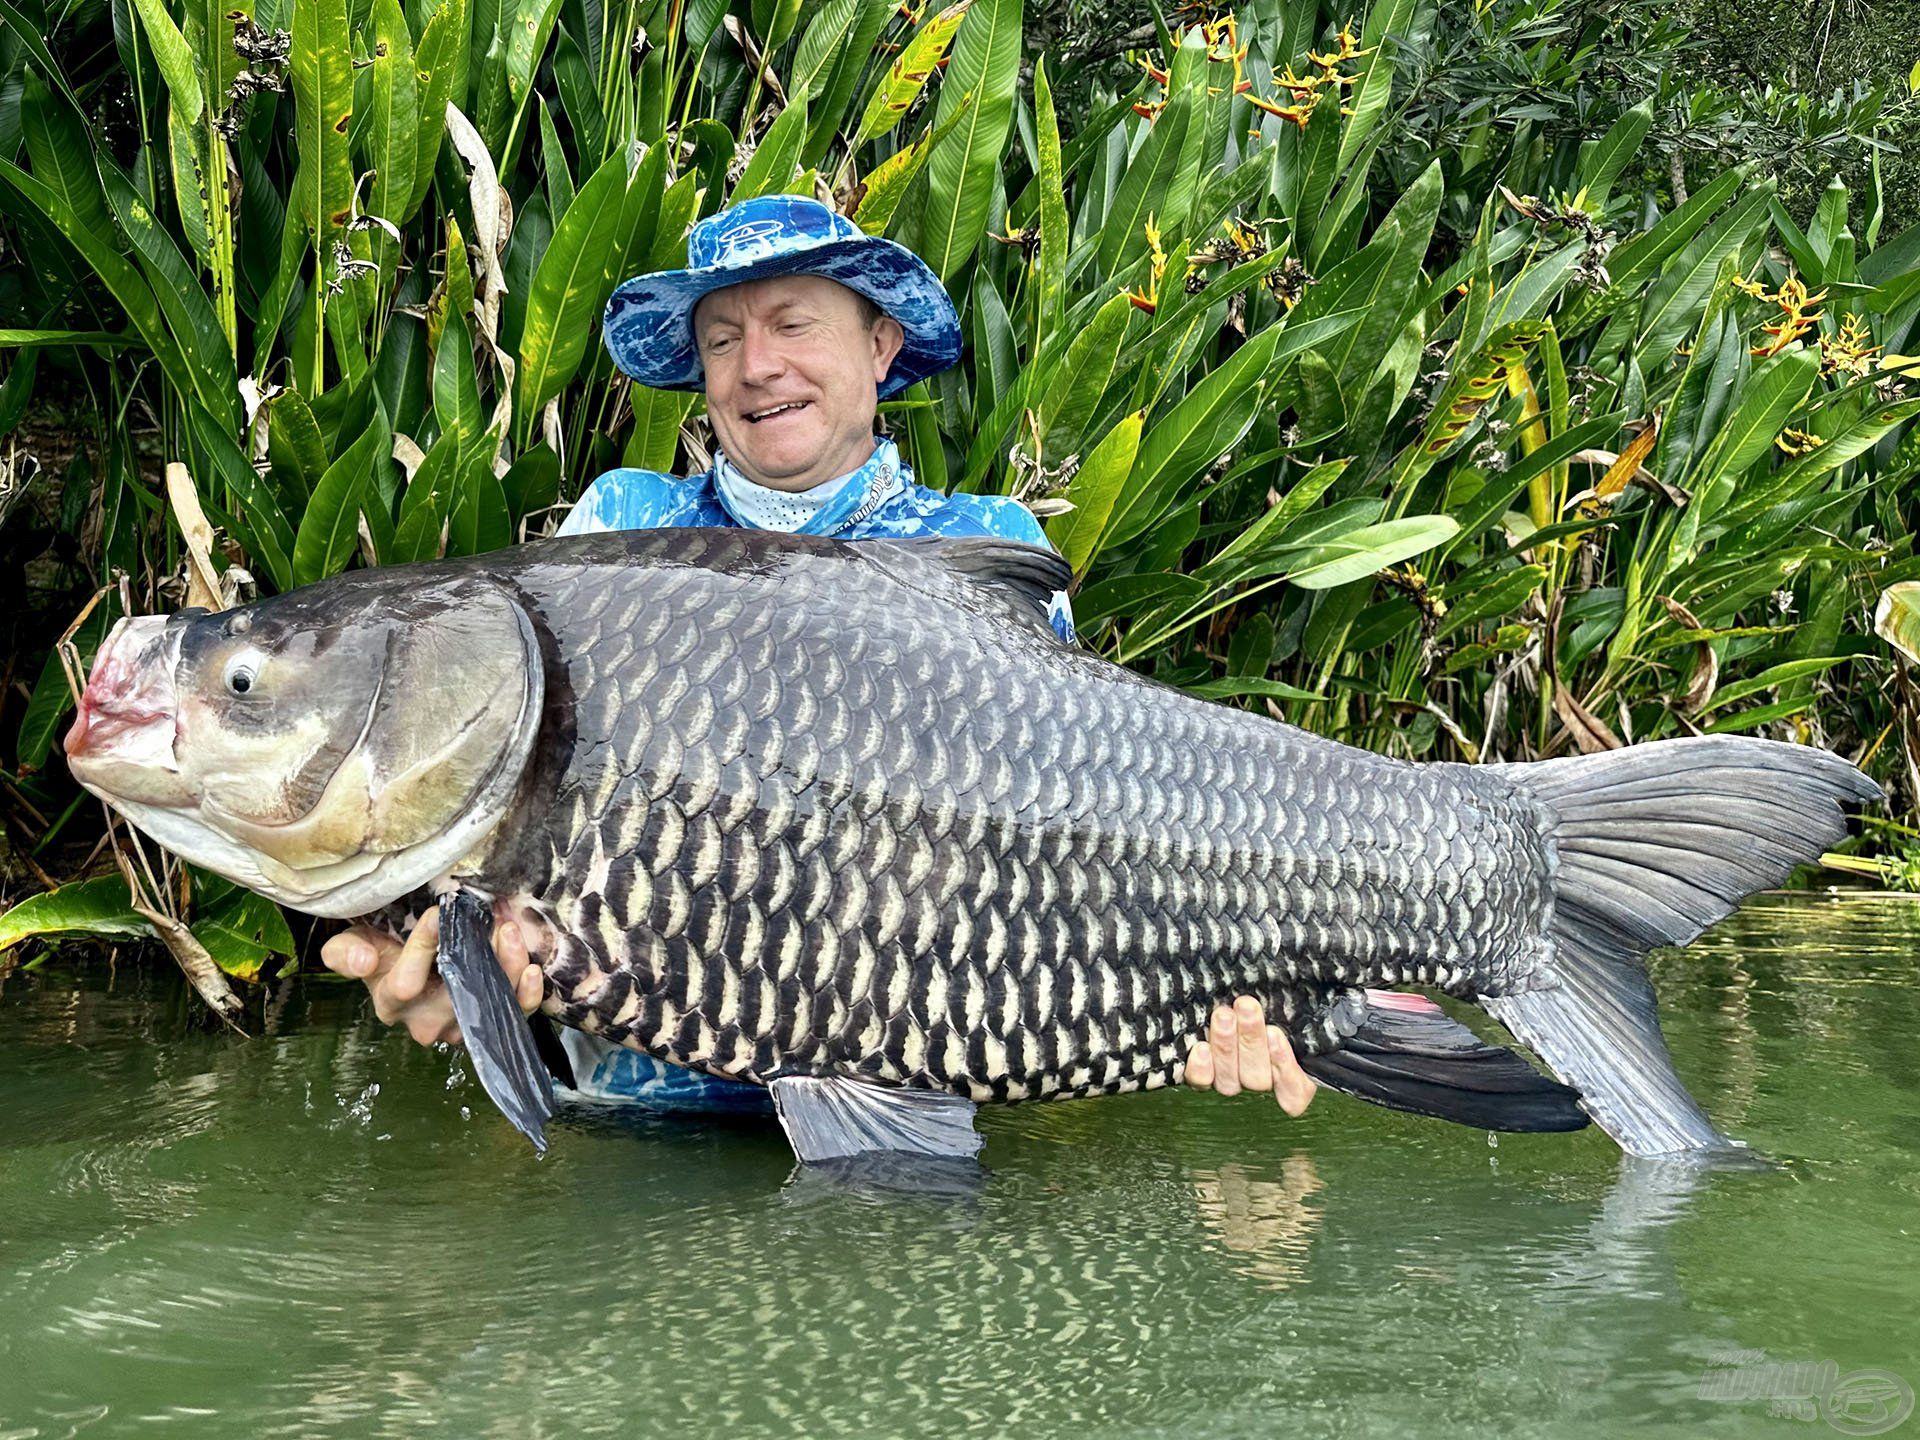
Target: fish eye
242,671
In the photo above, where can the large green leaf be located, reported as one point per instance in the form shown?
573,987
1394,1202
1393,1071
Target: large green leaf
295,448
776,162
1638,259
456,385
657,416
58,148
1056,227
1775,390
832,55
29,29
1374,87
1075,386
1144,187
1852,438
241,930
886,184
901,82
440,63
1095,487
174,57
1368,550
428,500
259,522
331,524
186,166
1602,160
1390,291
480,520
394,128
1209,419
568,287
985,65
100,907
1674,301
529,27
318,64
189,313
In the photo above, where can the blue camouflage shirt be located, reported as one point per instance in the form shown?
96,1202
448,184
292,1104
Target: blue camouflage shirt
880,500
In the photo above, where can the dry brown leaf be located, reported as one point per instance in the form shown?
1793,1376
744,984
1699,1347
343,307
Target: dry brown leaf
203,581
1628,464
1589,731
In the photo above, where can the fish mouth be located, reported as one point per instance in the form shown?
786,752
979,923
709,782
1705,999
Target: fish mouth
774,412
121,746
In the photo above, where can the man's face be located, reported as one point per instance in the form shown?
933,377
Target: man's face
793,374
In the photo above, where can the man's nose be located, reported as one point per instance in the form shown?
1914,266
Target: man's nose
761,359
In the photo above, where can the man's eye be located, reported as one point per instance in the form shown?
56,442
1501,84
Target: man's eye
719,347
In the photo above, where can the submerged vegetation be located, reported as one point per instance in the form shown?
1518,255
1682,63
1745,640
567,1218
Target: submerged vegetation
1401,374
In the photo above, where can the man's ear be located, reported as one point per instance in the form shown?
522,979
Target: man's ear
888,337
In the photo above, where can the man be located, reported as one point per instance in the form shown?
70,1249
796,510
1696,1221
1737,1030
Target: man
796,325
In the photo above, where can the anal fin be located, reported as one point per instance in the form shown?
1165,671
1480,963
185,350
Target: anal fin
1406,1053
832,1117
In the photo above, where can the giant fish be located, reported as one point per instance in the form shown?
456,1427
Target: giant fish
848,820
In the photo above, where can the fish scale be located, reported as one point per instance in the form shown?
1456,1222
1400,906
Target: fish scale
961,856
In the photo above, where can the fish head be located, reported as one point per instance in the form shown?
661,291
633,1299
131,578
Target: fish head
333,748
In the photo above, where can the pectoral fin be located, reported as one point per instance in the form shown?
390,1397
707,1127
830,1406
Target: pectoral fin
497,1034
833,1117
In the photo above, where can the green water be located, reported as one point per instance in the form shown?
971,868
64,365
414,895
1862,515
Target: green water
327,1231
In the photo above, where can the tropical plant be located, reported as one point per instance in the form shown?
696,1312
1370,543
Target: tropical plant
1590,462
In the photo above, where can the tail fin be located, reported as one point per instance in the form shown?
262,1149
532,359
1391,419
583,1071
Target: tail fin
1654,844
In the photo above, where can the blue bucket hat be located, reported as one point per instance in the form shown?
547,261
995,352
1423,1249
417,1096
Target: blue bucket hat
649,319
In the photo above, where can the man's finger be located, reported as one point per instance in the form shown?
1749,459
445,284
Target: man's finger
1292,1086
510,948
531,990
1200,1066
415,965
1225,1042
1250,1022
356,952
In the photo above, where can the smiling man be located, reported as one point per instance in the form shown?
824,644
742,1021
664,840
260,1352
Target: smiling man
795,324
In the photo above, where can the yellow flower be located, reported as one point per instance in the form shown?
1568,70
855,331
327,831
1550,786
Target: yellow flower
1848,353
1797,316
1798,442
1149,299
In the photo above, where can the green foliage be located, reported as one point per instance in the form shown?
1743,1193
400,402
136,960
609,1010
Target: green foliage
1447,426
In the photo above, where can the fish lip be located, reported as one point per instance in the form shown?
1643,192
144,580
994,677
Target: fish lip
128,717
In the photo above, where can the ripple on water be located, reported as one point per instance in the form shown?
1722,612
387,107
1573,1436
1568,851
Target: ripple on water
304,1236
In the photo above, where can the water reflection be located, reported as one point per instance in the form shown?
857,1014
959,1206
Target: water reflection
304,1235
1268,1222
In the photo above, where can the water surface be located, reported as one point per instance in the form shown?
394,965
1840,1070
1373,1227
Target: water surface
326,1230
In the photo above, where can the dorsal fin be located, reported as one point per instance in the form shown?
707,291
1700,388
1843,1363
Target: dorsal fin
1019,577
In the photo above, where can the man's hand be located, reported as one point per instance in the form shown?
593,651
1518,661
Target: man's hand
1243,1052
401,978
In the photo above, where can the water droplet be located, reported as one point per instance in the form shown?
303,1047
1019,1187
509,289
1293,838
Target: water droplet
1493,1141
